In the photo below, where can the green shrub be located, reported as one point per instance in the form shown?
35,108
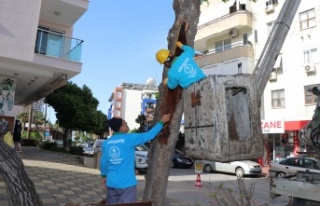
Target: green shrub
33,135
29,142
76,150
50,146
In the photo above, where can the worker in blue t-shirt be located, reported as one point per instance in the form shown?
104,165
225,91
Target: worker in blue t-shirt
118,156
183,70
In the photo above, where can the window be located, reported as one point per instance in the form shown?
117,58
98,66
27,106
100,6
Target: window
118,94
223,45
117,104
227,44
310,56
277,98
117,113
218,46
255,36
49,42
307,19
245,38
278,64
271,2
269,27
309,97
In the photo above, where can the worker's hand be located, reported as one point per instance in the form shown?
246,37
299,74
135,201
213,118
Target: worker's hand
179,44
165,80
165,118
104,181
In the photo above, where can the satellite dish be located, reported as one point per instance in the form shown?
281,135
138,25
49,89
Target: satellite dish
151,81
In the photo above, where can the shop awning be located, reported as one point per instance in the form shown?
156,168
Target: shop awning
295,125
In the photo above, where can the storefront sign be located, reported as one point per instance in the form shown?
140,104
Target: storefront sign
272,126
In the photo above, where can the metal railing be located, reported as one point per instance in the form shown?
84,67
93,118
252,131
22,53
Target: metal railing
225,47
56,44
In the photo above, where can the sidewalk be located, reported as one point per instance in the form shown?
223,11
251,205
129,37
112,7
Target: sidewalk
62,178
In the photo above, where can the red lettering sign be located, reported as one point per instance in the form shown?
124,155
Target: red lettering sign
271,124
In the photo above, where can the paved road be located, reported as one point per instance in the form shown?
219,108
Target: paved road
183,187
61,178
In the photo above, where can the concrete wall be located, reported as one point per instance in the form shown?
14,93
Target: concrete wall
18,29
224,124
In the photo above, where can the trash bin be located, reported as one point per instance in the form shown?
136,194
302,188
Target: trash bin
90,161
98,156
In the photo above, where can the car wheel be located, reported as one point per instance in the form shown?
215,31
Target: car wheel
280,174
239,172
172,164
207,168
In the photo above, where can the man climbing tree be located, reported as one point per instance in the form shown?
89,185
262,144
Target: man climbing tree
169,100
162,148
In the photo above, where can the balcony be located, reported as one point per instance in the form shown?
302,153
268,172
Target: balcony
234,51
63,12
241,19
57,45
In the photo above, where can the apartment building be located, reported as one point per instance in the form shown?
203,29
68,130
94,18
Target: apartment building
231,37
38,52
129,100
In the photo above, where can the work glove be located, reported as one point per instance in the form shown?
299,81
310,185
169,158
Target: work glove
179,44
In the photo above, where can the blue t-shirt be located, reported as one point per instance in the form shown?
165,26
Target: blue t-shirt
184,70
118,156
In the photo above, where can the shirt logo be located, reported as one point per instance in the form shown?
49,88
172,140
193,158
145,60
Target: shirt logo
114,152
187,68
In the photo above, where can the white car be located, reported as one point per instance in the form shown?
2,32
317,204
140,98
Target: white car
292,165
141,154
240,168
88,148
141,160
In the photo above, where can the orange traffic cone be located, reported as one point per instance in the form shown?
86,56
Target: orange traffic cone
198,181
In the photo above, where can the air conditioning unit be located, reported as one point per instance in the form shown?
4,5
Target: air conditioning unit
233,33
273,76
269,8
309,68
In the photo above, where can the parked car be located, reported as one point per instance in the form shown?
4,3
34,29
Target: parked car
88,148
240,168
141,159
141,153
181,160
292,165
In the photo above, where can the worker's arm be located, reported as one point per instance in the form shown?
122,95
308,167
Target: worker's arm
185,48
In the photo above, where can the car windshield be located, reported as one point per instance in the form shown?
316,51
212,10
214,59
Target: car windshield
142,148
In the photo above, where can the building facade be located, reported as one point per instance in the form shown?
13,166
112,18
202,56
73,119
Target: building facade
38,52
128,101
231,37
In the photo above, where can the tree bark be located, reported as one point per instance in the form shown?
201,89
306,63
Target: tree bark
20,188
161,152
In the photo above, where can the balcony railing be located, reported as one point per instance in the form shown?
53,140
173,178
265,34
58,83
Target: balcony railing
56,44
228,52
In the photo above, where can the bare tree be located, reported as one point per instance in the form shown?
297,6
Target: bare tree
170,101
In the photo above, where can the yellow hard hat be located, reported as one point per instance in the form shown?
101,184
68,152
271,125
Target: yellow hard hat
162,55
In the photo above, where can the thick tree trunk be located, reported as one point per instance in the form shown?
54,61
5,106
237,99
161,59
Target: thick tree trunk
20,188
161,153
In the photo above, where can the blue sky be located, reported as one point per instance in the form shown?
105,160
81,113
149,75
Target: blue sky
120,42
